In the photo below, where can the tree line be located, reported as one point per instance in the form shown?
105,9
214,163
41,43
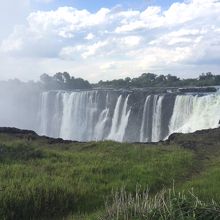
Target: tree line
153,80
63,81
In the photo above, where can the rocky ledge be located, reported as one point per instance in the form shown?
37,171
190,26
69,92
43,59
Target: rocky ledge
31,135
198,139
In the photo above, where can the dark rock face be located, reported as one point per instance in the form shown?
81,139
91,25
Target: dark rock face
8,130
166,114
31,135
205,137
208,133
58,140
199,139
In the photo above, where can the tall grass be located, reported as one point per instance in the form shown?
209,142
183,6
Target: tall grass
207,184
165,205
39,180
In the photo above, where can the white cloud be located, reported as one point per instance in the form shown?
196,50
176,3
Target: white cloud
92,50
65,22
90,36
84,51
180,37
131,41
108,66
132,26
185,35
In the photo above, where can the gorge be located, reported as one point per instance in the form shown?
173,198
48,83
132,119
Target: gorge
120,115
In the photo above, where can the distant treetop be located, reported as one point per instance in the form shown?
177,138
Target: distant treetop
63,81
66,82
153,80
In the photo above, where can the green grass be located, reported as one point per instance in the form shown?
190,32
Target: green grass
164,205
207,184
40,180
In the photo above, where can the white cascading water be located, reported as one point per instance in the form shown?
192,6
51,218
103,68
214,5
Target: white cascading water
156,118
119,121
95,115
115,118
102,121
76,116
145,119
100,126
79,113
123,121
69,118
193,113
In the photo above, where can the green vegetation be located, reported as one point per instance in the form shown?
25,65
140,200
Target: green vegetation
48,178
169,204
63,81
153,80
207,184
66,82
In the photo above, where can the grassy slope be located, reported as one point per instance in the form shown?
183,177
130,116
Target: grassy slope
38,178
206,179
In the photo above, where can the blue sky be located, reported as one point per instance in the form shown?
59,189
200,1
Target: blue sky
94,5
103,40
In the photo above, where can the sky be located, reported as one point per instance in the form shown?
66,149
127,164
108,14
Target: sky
104,40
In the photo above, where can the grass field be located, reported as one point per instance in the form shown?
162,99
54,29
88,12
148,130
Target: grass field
45,179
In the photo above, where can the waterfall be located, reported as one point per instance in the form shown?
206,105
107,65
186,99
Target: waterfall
103,119
100,126
135,115
181,113
156,118
115,119
193,112
145,120
123,116
67,115
124,121
119,121
78,117
83,116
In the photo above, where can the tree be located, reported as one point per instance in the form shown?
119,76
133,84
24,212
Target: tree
206,76
160,79
148,77
63,81
171,78
66,77
45,78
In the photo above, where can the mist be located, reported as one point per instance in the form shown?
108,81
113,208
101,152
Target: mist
19,103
